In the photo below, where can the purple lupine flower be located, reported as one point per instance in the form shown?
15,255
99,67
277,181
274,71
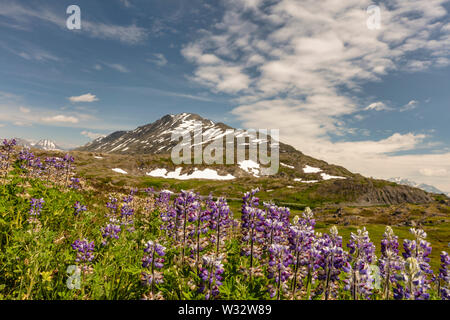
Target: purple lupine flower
362,255
127,211
110,231
84,250
27,157
220,220
78,208
419,283
162,202
8,148
36,206
201,220
8,145
211,276
153,260
75,183
301,240
112,206
331,260
68,158
280,258
444,277
186,205
390,263
252,227
276,223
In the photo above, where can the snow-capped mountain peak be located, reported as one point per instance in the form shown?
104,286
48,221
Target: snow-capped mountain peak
46,144
423,186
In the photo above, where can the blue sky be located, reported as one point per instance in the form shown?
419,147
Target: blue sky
374,101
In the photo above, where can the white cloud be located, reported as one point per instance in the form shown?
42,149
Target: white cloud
377,106
24,110
61,118
92,135
88,97
118,67
434,172
409,106
126,3
98,67
24,16
159,59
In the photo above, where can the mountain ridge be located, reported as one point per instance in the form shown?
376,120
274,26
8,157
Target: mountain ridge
42,144
297,170
426,187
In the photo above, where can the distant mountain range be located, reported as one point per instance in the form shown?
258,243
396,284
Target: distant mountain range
43,144
297,170
423,186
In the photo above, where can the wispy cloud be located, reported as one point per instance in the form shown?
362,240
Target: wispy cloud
158,58
91,135
24,110
88,97
28,51
118,67
378,106
26,15
126,3
410,106
61,119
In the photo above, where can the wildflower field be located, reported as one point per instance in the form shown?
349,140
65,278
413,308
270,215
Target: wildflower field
62,239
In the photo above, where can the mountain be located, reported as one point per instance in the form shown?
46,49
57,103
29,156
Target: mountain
423,186
146,150
43,144
155,138
47,145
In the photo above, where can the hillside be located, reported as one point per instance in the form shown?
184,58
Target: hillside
144,154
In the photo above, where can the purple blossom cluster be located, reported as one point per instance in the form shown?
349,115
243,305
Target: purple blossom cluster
84,250
153,261
7,148
361,256
330,261
390,262
280,259
444,277
110,231
36,206
210,274
417,274
78,208
301,239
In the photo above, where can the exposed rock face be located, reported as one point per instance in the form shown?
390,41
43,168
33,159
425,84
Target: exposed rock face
395,195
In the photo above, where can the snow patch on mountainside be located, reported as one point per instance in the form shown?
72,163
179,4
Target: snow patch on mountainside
208,174
326,176
286,165
118,170
309,169
250,166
